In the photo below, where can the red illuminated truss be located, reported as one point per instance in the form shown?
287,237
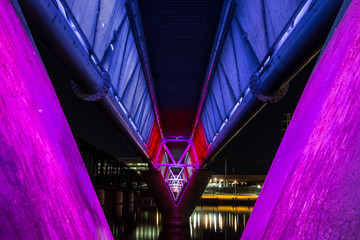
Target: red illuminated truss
176,172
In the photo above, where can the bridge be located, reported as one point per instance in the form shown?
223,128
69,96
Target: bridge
180,79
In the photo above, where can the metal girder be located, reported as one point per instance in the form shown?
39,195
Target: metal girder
300,40
55,24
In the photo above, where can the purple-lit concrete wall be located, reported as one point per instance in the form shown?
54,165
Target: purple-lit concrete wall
45,191
312,190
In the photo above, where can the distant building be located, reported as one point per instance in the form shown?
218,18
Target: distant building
219,180
285,123
135,164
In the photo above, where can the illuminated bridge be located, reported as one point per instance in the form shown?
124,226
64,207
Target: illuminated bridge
180,79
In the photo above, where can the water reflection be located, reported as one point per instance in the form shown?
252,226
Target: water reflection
218,222
175,233
206,222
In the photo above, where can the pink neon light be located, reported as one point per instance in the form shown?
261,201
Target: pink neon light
176,165
45,190
169,154
159,154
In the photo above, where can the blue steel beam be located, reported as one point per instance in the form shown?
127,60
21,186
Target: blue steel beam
230,103
94,40
139,36
225,19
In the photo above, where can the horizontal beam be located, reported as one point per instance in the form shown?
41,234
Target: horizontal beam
176,165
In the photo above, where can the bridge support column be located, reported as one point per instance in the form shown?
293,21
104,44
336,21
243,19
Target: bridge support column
176,214
100,192
312,188
45,190
119,203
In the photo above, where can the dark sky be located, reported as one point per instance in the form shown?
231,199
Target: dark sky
86,119
253,149
250,152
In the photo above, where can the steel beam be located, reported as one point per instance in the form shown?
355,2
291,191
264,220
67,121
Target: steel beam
54,32
295,52
139,36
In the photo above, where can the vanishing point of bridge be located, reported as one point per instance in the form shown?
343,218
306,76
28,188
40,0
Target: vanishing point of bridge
180,79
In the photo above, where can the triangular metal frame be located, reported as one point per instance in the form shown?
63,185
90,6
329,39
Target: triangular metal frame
175,183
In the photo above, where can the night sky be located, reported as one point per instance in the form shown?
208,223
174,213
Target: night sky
250,152
254,148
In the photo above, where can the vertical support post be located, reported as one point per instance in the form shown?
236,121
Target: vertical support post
119,203
226,178
100,192
176,214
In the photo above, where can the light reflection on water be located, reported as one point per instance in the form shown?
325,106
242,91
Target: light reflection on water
206,222
218,222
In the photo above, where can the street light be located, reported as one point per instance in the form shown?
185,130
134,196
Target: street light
235,186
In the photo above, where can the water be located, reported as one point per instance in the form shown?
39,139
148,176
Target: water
206,222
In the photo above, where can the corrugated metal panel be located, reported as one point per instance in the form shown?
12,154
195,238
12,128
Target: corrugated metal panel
245,45
106,27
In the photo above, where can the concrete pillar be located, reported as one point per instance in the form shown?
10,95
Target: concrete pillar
100,192
130,201
312,189
131,197
45,190
119,203
176,214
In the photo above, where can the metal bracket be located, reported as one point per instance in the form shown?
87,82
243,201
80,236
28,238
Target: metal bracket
96,96
268,99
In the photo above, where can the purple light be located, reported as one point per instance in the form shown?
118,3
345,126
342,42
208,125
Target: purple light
175,181
312,189
45,190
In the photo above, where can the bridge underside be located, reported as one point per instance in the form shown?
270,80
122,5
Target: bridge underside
316,167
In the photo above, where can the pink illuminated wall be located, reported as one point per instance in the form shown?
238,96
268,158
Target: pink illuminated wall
45,190
312,190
